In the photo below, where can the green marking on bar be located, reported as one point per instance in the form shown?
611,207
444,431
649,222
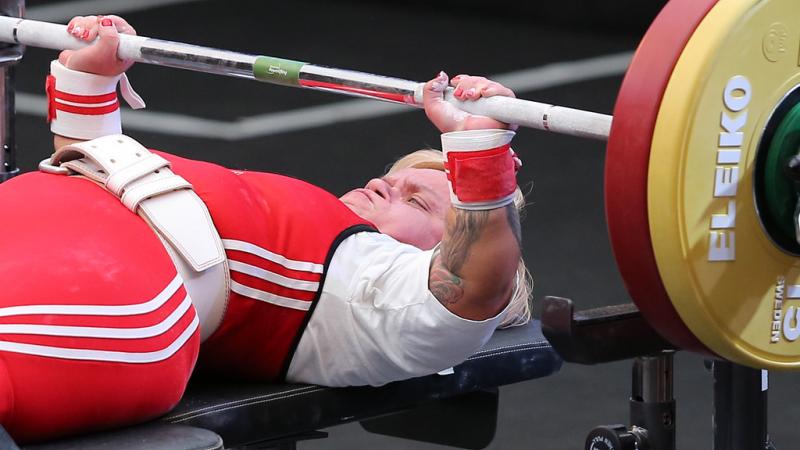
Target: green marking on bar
277,70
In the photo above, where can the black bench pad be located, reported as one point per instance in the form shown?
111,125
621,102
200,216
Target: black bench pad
244,413
153,436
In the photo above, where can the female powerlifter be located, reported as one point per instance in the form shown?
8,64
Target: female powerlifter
126,264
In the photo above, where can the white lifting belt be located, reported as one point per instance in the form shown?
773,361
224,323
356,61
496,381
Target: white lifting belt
147,186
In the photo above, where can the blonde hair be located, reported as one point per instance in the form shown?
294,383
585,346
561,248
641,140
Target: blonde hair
519,311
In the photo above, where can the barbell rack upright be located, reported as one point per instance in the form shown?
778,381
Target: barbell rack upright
10,55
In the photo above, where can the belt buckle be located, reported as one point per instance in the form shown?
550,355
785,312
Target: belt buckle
46,167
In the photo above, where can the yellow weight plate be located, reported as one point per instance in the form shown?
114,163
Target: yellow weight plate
732,286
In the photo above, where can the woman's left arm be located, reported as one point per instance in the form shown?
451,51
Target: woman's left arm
473,273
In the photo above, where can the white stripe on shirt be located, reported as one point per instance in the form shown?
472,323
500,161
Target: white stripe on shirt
291,264
272,277
267,297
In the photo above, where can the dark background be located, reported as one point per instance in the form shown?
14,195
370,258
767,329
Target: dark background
566,244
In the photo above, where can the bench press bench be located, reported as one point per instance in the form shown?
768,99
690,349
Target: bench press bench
214,415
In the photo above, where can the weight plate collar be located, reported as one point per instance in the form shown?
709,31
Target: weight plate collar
775,188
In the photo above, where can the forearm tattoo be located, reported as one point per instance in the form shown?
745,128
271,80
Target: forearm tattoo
444,283
512,215
446,286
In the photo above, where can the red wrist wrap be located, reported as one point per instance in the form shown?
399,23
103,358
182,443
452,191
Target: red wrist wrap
88,103
481,176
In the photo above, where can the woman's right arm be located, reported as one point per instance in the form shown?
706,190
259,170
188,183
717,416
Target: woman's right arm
85,73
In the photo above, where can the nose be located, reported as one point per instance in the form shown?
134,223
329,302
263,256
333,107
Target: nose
380,187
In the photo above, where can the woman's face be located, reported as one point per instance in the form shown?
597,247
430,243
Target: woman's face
408,205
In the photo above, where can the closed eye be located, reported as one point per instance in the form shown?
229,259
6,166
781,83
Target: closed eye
418,203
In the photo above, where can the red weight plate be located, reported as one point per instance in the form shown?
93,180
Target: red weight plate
627,159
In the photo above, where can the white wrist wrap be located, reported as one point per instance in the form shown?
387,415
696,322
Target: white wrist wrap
84,105
480,168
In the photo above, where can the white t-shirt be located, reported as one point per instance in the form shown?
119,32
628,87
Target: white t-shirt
377,322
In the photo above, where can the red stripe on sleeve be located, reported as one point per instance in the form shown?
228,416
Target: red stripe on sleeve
98,111
103,98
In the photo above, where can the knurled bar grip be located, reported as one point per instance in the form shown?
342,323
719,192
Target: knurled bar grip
525,113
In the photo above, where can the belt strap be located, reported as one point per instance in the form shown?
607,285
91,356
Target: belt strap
147,186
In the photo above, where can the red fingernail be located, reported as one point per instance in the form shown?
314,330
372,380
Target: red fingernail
458,92
106,22
85,34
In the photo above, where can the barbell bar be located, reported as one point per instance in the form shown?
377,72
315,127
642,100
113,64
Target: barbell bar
287,72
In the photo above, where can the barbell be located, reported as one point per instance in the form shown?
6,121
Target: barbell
288,72
701,201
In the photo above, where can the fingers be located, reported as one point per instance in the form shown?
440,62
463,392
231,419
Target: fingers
101,57
517,161
448,117
83,27
64,56
443,115
498,89
122,25
434,89
107,30
106,47
472,88
87,28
